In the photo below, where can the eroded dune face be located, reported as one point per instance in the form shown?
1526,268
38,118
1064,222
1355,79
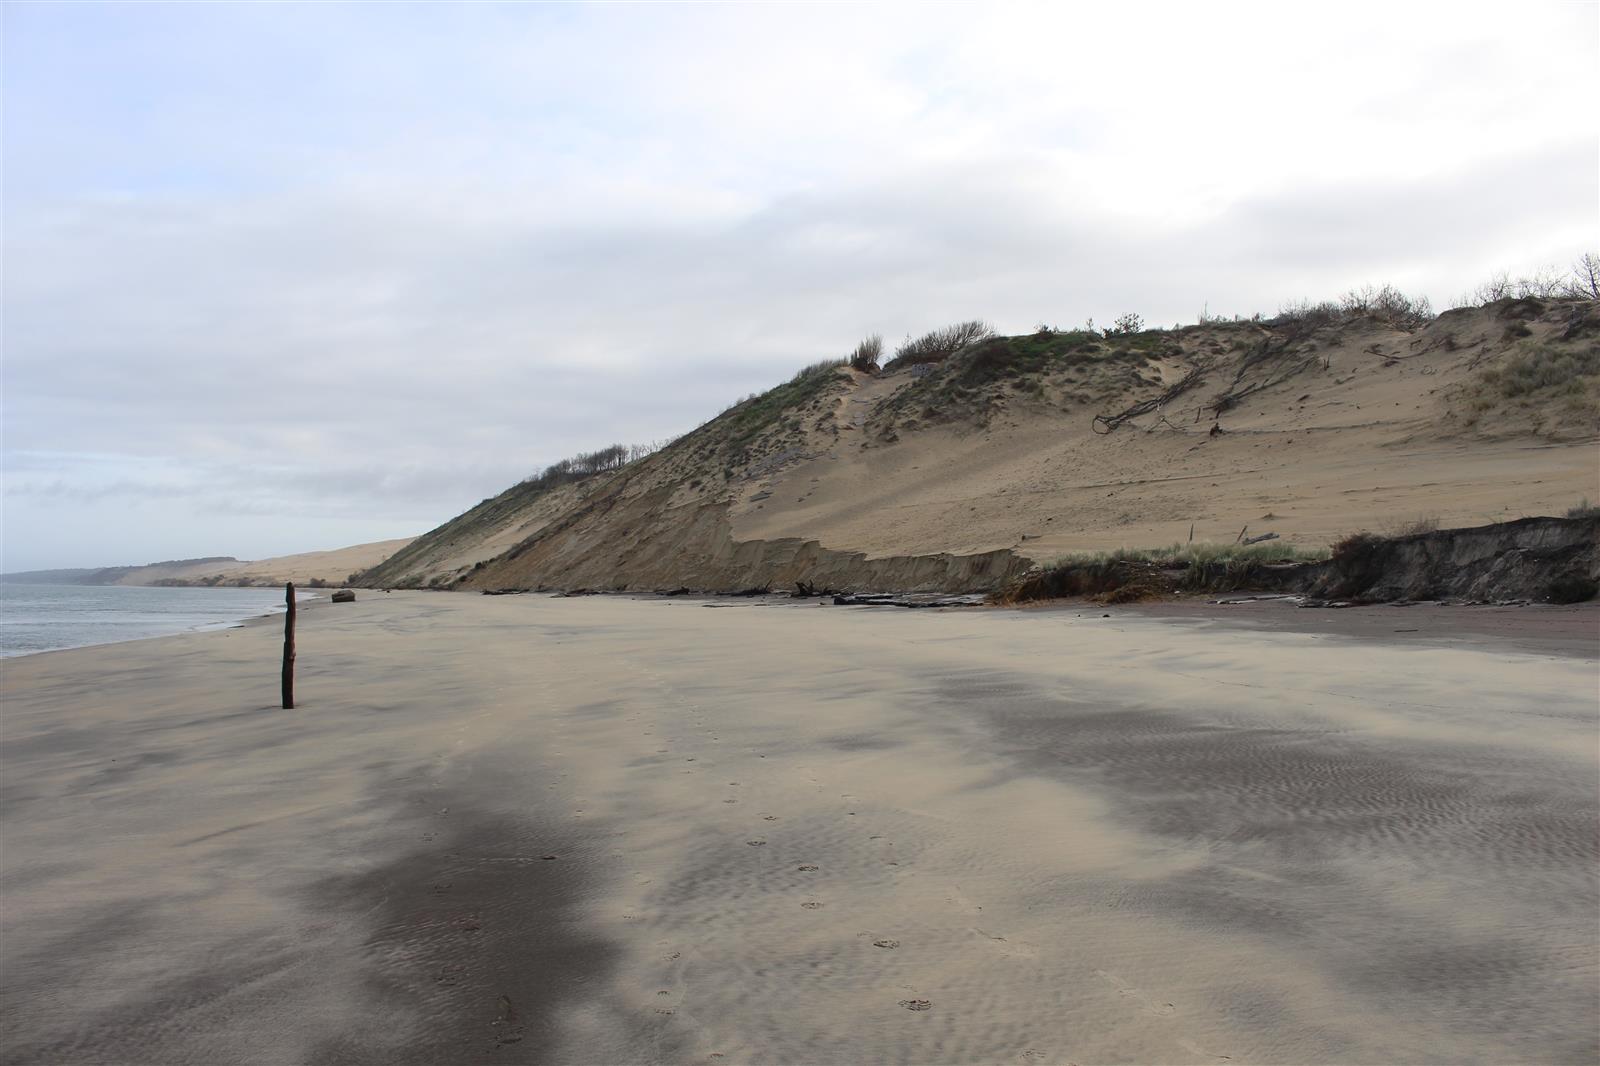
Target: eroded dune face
1309,431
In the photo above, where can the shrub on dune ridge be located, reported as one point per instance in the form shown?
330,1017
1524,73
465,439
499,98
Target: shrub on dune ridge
939,344
1385,303
582,465
1581,282
867,354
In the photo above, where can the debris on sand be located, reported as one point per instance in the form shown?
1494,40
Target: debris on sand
908,600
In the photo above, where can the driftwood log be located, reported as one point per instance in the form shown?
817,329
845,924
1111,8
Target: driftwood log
1104,424
889,600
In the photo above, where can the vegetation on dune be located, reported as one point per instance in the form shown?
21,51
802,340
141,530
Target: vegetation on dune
1539,368
1380,303
1545,386
1580,282
1047,365
940,344
867,354
821,366
1009,357
736,432
1013,357
587,464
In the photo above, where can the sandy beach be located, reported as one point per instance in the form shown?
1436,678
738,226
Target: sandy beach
604,830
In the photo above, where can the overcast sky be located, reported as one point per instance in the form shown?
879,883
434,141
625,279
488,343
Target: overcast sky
283,278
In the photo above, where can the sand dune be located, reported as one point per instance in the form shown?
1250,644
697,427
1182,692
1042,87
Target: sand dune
329,567
521,830
851,477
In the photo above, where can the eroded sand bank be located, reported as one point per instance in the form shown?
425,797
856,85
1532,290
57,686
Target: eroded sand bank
519,829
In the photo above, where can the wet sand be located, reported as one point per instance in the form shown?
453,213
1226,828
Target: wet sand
519,830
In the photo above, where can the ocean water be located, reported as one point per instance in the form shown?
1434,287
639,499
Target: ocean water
50,617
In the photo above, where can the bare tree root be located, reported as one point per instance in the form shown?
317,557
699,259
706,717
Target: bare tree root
1193,378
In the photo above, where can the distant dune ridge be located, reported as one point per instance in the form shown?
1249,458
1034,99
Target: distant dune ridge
308,568
970,458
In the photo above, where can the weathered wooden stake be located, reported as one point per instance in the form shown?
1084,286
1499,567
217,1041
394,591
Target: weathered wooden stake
288,648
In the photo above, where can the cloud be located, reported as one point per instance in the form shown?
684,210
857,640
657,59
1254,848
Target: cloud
376,269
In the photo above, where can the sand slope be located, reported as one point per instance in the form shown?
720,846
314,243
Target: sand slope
521,830
1359,425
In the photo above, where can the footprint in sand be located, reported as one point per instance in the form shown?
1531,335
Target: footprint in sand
508,1023
1199,1052
962,902
1146,1003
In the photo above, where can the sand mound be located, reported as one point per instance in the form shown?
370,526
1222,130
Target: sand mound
1018,449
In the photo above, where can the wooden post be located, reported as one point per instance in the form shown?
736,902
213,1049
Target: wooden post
288,648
